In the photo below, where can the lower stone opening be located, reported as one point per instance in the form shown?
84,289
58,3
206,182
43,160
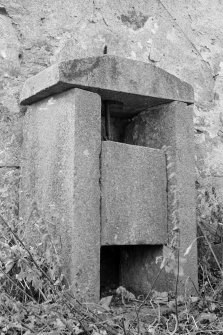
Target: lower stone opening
109,269
140,270
133,266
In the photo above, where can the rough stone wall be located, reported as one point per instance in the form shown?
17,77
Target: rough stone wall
182,37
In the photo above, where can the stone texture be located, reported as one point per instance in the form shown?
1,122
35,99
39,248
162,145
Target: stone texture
60,172
136,84
134,198
172,125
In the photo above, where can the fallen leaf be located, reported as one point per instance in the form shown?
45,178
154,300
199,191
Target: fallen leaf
105,302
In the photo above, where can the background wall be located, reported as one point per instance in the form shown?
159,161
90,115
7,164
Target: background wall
184,37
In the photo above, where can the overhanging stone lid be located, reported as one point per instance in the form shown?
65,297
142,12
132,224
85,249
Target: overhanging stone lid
136,84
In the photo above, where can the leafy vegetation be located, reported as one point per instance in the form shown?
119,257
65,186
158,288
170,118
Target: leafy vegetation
34,298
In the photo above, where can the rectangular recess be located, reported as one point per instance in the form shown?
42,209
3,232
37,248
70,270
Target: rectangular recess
134,198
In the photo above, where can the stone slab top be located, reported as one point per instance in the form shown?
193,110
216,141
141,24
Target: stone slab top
135,84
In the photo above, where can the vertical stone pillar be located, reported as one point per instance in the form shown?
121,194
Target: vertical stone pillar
60,172
172,125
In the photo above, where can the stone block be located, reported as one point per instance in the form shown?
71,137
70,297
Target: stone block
134,198
172,125
60,172
136,84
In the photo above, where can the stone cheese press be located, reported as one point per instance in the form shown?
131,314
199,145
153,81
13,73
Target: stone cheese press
94,133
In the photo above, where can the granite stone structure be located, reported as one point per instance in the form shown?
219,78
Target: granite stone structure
110,194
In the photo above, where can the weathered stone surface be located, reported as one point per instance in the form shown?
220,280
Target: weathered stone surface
136,84
172,125
60,172
134,198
